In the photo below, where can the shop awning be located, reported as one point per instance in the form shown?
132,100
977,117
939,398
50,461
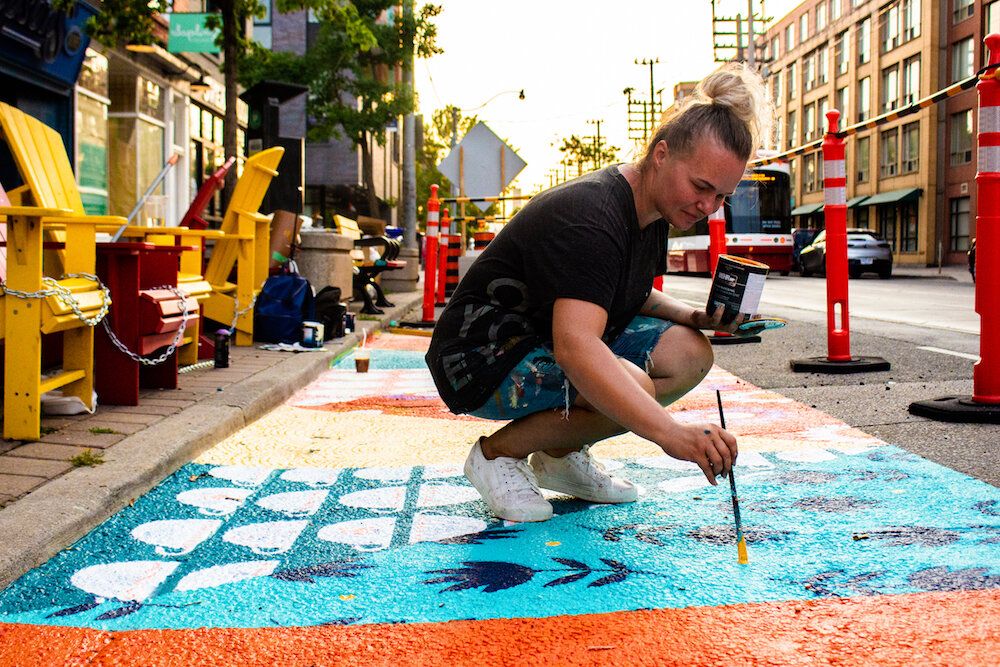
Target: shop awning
856,201
806,209
894,196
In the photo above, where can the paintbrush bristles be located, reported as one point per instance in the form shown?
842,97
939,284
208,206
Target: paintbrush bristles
741,548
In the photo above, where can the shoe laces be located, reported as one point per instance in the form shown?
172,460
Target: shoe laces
519,479
587,463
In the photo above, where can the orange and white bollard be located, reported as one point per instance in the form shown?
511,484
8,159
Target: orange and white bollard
983,406
444,239
838,335
431,254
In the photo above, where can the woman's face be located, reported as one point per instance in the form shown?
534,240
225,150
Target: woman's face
686,189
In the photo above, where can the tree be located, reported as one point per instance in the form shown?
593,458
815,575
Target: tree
586,150
349,71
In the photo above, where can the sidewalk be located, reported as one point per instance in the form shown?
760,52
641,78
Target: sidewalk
46,503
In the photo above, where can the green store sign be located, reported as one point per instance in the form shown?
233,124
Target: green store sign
188,33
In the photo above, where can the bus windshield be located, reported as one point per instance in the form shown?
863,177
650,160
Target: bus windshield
760,205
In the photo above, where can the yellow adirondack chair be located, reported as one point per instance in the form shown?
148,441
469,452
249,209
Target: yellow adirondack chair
32,306
49,183
242,220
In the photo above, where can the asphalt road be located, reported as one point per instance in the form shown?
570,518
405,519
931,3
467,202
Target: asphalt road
925,327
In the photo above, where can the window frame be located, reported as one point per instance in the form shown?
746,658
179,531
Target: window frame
888,152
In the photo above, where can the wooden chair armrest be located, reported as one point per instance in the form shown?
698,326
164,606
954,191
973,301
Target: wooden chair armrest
34,211
95,220
253,215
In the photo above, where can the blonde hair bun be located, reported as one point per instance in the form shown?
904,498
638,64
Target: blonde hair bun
740,89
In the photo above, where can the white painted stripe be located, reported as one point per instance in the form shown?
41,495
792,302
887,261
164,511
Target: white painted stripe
834,196
989,119
834,168
989,160
974,357
433,216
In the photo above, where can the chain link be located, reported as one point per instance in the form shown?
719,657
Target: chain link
180,294
253,302
66,296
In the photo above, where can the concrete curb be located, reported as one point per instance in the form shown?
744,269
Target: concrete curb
38,526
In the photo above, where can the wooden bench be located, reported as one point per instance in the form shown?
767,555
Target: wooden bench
368,268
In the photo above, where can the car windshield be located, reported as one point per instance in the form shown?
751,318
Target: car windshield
863,236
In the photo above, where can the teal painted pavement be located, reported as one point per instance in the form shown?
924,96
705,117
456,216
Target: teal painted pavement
229,546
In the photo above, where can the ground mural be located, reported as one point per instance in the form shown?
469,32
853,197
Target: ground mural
346,508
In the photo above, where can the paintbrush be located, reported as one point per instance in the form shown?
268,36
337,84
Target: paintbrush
741,543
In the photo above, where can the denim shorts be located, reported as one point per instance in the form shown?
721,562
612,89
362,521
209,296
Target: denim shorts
537,383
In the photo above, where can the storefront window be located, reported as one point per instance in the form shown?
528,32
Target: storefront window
92,133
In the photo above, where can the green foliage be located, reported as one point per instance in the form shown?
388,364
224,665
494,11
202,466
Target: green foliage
586,151
87,458
121,21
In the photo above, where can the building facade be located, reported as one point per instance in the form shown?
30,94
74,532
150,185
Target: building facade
864,59
333,168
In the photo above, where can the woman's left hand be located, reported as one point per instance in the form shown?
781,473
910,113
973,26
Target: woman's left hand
701,319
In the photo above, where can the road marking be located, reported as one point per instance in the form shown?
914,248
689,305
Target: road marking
974,357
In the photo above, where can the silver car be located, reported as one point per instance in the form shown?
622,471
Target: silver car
866,252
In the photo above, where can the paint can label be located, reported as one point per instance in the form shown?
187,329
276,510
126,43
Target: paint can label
738,284
312,334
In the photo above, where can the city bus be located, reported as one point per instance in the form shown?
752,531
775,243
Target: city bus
758,225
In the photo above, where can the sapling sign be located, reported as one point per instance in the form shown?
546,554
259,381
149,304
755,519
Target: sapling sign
188,33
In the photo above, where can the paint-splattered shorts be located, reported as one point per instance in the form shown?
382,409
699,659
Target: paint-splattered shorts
538,383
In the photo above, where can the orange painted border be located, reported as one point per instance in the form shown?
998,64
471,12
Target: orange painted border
954,629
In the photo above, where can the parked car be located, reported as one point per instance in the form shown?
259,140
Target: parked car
972,260
800,239
866,252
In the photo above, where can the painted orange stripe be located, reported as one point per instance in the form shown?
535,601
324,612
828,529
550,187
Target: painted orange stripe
952,629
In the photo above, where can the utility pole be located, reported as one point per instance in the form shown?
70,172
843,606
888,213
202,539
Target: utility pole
652,95
408,203
725,28
598,160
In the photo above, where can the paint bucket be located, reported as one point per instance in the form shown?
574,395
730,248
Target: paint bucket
312,334
737,285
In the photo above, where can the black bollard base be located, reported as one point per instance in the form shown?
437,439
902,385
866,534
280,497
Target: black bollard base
853,365
958,409
732,340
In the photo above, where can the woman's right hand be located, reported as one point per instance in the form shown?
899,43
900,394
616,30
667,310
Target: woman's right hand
710,447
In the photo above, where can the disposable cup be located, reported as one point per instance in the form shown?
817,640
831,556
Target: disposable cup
362,357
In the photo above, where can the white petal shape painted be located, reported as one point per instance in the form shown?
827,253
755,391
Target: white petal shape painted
665,463
436,495
266,538
312,476
126,581
394,474
442,470
752,460
432,527
220,575
805,455
294,503
242,475
385,498
215,501
362,534
175,537
681,484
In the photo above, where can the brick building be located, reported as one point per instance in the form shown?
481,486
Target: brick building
912,178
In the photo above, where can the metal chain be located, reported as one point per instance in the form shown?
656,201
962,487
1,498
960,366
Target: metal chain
232,325
180,294
66,296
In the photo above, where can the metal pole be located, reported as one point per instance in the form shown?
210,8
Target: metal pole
750,45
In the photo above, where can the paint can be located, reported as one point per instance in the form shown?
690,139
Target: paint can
350,321
737,285
312,334
222,348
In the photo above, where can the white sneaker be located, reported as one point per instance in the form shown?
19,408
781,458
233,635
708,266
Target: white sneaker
507,485
581,476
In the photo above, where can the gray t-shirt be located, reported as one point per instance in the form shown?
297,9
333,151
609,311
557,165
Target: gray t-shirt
579,240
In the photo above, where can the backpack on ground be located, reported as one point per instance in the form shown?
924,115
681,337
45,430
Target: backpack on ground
286,301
